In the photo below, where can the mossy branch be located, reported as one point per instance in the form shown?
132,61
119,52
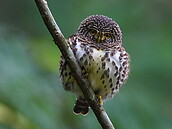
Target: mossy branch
67,53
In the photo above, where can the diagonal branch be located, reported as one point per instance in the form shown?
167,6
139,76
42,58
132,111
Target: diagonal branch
67,53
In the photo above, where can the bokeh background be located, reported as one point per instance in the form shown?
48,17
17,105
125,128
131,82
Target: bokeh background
31,95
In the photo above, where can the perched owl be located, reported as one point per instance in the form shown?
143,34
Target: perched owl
97,45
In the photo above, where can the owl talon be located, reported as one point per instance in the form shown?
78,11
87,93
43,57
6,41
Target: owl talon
85,73
99,100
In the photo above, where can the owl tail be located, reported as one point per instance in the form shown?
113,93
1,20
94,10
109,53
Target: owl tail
81,106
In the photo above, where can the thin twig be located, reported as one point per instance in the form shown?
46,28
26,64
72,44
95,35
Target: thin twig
73,64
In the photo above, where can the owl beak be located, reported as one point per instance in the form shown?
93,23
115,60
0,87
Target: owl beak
99,37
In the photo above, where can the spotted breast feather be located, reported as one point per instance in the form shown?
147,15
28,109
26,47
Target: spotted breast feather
106,66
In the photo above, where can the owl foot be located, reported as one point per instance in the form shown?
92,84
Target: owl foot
99,100
85,73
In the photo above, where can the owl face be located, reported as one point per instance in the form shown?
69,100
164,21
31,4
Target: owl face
100,29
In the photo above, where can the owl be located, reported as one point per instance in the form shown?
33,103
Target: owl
97,46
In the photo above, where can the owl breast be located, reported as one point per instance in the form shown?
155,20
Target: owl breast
106,70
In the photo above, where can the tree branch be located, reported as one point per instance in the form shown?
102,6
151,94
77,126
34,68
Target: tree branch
73,64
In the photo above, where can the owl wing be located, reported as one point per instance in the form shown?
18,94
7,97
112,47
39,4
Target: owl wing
124,68
66,77
64,70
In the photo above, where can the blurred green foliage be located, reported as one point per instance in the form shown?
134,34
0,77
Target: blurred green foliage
31,95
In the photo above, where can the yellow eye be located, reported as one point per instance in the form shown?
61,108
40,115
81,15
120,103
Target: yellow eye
107,35
93,32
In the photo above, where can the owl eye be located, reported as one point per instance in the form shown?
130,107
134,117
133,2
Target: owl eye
107,35
92,31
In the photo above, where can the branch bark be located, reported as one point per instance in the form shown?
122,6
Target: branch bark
67,53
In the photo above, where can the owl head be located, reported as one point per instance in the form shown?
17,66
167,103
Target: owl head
100,29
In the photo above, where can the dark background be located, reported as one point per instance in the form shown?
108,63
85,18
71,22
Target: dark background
31,95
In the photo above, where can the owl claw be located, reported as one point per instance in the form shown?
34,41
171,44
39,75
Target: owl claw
99,100
84,73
